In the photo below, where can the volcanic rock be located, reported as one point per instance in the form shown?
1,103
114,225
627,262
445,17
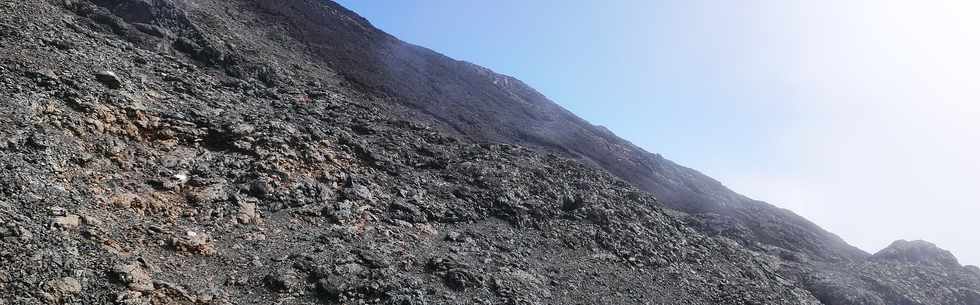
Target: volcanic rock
109,79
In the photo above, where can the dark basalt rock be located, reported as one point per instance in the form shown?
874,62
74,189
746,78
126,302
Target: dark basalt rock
110,79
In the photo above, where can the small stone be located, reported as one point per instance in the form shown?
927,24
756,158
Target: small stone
281,281
342,213
186,45
260,188
331,287
45,77
193,242
402,223
351,269
91,221
205,297
407,211
23,233
427,229
68,222
247,213
123,200
242,130
152,30
454,236
359,191
169,183
181,178
460,279
373,259
67,285
133,275
130,297
57,211
572,202
213,296
439,264
207,195
109,79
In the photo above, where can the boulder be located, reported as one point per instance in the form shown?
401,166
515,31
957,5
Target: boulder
109,79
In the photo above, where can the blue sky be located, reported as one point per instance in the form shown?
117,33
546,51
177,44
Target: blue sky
859,115
638,68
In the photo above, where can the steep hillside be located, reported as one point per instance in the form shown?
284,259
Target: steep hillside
286,152
477,103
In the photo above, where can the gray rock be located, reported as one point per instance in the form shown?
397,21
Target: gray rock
461,279
152,30
373,259
332,287
66,286
248,213
408,211
194,242
282,281
68,222
454,236
341,212
46,77
133,276
109,79
261,188
358,191
207,195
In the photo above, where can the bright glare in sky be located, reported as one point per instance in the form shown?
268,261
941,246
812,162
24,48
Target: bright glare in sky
863,116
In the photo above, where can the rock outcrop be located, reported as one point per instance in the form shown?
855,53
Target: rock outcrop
906,272
916,252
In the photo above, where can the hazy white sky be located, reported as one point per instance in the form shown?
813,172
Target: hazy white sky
887,133
863,116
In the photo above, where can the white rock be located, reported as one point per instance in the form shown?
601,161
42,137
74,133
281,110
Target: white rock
181,178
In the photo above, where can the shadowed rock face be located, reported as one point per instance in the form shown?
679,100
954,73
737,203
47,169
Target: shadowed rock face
262,152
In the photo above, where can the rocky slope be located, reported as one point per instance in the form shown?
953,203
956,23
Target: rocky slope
906,272
286,152
477,103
